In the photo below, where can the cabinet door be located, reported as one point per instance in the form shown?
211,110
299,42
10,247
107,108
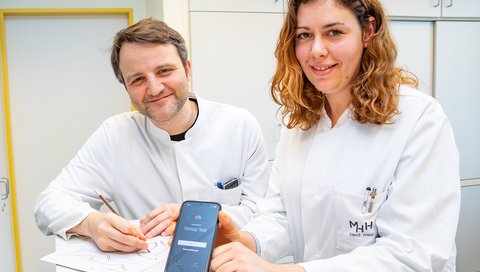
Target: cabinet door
457,88
467,239
237,5
233,62
414,41
413,8
461,8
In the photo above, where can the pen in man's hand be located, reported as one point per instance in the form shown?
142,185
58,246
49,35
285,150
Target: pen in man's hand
106,203
109,206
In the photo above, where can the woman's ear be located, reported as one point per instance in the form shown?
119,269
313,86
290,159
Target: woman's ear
369,31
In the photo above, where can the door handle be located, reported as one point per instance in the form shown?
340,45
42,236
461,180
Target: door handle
436,3
449,3
4,192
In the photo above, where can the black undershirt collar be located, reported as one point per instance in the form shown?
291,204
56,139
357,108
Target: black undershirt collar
181,136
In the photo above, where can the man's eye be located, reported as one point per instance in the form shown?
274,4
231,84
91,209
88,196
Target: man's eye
137,80
164,71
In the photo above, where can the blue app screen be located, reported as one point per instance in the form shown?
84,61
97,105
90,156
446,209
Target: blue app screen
192,244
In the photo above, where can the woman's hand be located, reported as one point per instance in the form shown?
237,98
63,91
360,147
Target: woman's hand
236,249
237,257
159,220
227,230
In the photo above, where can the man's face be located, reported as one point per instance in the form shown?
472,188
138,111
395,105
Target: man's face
155,78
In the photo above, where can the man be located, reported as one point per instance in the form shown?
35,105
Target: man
176,147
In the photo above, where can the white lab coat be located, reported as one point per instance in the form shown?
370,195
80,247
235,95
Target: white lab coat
136,165
314,203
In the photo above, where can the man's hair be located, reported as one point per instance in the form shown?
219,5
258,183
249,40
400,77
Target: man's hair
146,31
374,90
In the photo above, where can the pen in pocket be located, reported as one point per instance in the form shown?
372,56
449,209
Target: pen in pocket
365,199
373,194
230,184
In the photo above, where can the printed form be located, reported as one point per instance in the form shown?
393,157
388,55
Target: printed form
84,255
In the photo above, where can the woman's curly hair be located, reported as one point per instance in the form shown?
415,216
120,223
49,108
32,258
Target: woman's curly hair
374,90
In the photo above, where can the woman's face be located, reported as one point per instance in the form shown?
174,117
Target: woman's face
329,44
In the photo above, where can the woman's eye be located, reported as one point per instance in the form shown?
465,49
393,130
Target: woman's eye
303,35
335,33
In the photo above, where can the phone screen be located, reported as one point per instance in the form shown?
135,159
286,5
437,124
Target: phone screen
194,237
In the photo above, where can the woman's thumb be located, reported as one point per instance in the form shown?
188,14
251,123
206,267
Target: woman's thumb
228,228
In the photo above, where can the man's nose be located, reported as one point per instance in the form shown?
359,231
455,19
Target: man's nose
155,86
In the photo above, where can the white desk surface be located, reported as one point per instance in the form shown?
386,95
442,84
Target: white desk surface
62,245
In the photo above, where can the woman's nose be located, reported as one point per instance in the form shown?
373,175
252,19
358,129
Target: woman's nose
319,48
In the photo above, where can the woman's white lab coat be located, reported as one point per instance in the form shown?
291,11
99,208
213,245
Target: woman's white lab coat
315,204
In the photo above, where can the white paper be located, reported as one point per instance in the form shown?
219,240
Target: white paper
84,255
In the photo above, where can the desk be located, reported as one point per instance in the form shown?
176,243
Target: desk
63,246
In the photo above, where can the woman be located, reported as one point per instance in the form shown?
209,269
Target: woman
367,171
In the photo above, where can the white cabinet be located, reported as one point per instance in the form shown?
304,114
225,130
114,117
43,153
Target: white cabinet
412,8
432,8
414,40
468,240
233,61
237,6
457,88
445,55
461,8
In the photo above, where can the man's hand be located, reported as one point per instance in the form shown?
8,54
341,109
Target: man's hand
159,220
111,232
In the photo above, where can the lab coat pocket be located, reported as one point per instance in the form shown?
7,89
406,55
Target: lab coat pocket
229,196
355,226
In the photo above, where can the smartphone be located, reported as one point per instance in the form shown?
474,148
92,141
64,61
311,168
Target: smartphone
194,237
